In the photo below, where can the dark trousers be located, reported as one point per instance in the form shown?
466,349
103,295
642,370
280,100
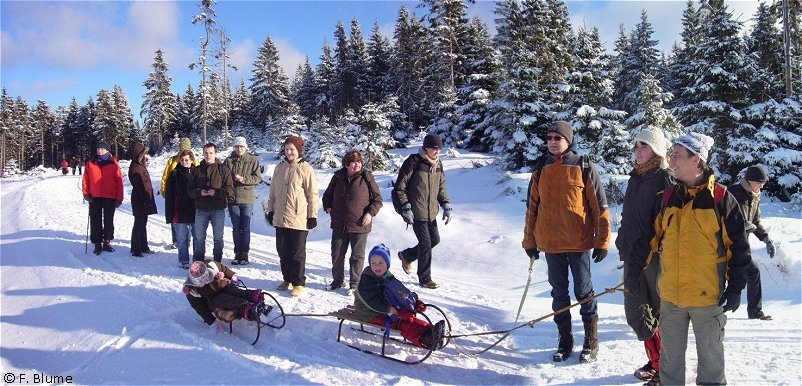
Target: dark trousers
101,219
428,237
754,291
339,246
291,247
139,235
579,264
233,298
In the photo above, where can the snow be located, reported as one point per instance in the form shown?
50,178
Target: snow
118,319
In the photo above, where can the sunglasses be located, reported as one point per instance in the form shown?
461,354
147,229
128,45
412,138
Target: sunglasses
553,137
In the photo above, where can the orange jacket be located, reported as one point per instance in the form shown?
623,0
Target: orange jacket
103,179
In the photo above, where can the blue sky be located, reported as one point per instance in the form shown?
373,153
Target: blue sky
56,50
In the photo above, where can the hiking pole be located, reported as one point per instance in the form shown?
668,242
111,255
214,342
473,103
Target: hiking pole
526,288
86,242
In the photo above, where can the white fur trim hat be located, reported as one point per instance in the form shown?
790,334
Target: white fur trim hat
696,143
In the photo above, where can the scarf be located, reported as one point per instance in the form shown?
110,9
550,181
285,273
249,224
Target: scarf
651,164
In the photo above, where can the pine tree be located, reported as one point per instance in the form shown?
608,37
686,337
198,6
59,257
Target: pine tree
765,45
483,69
344,84
640,57
409,63
324,75
269,87
158,104
43,122
378,71
651,113
680,67
206,16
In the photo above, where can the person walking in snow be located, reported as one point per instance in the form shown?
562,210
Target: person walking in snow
142,201
292,209
747,193
179,207
700,236
65,166
102,187
210,186
421,191
641,205
383,300
209,289
566,216
172,163
352,199
246,173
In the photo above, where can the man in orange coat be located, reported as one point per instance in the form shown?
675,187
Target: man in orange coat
103,189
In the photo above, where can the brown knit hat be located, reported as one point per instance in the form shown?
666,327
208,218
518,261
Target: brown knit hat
563,128
296,141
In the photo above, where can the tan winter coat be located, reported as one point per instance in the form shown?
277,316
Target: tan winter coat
293,195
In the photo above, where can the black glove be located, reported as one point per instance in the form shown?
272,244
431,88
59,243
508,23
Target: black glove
269,218
599,255
632,279
406,213
769,247
533,253
730,300
88,197
311,223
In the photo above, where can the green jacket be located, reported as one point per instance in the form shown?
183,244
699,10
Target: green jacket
422,183
248,167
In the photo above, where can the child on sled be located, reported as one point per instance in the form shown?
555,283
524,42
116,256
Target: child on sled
383,300
209,288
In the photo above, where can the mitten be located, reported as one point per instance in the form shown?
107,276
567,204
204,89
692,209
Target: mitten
311,223
117,205
186,290
769,247
88,197
269,218
447,212
420,306
632,279
599,255
749,227
730,300
533,253
406,213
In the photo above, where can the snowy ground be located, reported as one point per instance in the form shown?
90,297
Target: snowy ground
118,319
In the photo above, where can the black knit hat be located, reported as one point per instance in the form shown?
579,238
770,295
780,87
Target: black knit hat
755,173
563,128
432,141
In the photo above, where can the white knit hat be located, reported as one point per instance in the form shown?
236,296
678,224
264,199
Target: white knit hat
656,140
696,143
240,141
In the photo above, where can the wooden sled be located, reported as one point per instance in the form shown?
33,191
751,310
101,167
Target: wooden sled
348,314
271,314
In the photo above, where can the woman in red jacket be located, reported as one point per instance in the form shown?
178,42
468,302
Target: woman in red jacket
103,189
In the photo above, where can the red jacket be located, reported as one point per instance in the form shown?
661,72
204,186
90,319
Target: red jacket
103,179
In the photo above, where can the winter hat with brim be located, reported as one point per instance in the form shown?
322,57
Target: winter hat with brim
103,145
696,143
432,141
756,174
296,141
383,251
184,144
240,141
563,128
657,141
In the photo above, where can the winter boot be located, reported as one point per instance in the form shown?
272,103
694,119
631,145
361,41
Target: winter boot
566,343
243,259
237,257
98,248
591,346
107,246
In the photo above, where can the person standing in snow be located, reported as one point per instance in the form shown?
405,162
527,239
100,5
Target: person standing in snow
352,199
172,163
566,216
747,193
246,173
421,191
641,205
179,207
700,236
142,202
210,186
292,209
102,187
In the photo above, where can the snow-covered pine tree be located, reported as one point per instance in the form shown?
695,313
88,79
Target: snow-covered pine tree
680,64
639,57
324,73
269,88
765,45
159,108
482,69
378,73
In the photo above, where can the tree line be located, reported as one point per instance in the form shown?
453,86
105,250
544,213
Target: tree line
442,72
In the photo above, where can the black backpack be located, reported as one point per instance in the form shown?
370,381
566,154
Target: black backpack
414,159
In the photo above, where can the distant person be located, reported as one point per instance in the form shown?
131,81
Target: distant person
79,163
352,199
700,236
566,217
246,173
210,186
74,164
747,193
65,166
103,189
142,201
292,209
421,191
179,207
172,162
649,177
383,300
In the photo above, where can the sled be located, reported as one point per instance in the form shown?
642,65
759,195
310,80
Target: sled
271,314
416,353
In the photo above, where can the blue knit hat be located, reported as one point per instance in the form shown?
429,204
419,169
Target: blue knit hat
383,251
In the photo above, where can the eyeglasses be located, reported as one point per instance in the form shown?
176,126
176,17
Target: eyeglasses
553,137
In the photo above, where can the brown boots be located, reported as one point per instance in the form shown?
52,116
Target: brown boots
591,346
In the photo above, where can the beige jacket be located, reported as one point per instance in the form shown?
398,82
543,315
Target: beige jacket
293,195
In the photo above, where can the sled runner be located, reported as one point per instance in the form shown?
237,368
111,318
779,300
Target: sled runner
270,313
415,354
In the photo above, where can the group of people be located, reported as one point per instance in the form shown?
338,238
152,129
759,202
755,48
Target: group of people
74,164
683,241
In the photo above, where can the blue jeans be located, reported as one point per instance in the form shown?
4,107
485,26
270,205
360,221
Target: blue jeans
579,264
202,220
182,232
241,226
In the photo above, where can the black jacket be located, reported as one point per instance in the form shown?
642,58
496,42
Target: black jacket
642,203
176,197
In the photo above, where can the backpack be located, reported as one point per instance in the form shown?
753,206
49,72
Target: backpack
541,161
399,296
397,204
719,191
